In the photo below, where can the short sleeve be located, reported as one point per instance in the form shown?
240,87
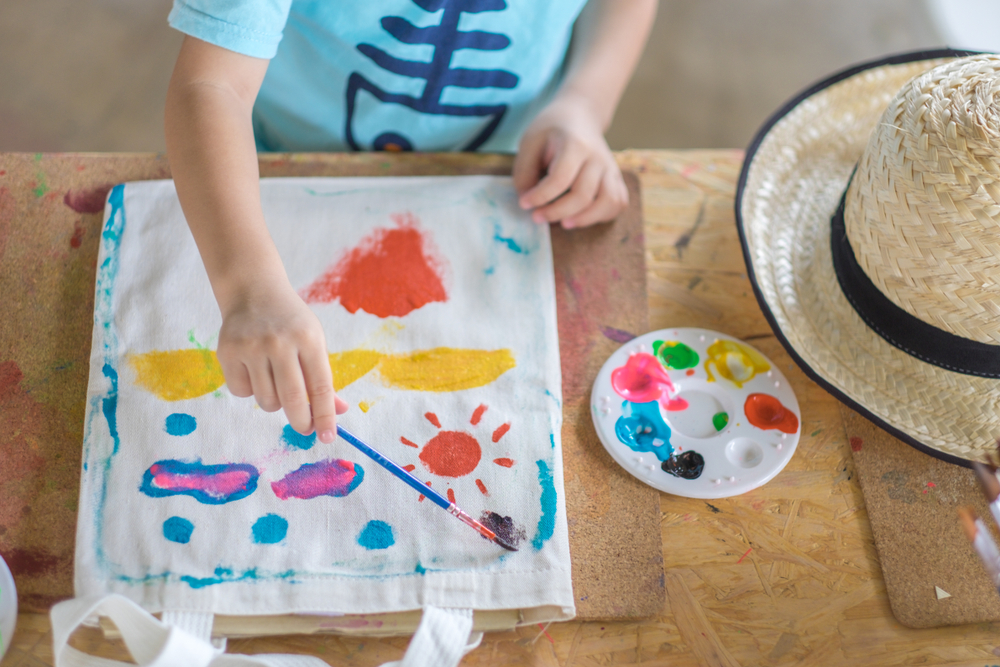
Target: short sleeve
250,27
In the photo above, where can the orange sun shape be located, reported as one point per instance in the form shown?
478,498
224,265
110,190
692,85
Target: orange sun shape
456,453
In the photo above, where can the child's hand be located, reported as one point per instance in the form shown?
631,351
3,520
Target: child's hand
272,347
565,170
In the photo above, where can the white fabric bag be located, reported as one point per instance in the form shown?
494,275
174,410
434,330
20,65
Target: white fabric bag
438,301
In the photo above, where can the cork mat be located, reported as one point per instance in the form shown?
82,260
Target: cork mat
911,499
51,210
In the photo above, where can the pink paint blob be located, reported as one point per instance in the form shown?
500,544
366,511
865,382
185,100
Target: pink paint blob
674,404
334,477
642,379
219,485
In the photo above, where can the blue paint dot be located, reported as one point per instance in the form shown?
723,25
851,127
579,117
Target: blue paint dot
376,535
269,529
293,438
180,424
178,530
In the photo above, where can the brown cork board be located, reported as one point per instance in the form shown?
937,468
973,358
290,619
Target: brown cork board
51,210
911,499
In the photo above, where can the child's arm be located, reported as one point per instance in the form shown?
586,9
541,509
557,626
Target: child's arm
564,168
271,345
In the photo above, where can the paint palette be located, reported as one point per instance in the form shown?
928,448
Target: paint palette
695,413
8,607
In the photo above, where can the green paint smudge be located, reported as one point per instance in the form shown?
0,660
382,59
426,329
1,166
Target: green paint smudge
720,420
674,355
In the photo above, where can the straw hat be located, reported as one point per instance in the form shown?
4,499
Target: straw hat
869,212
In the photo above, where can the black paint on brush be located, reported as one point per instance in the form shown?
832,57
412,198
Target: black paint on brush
509,535
688,465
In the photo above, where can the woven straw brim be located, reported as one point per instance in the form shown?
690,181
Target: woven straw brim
793,179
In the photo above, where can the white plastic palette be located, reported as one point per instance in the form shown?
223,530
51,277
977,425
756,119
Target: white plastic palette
671,397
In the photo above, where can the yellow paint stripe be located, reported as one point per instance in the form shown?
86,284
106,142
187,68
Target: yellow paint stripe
445,369
351,365
176,375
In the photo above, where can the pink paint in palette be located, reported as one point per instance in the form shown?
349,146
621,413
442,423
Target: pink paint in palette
695,413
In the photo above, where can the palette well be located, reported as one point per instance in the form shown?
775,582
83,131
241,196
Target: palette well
695,413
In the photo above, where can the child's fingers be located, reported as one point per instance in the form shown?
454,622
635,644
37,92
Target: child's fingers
561,173
263,385
237,377
612,198
580,196
322,398
529,163
292,393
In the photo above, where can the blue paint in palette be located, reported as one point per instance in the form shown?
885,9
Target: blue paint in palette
180,423
295,440
270,529
177,529
376,535
641,428
547,521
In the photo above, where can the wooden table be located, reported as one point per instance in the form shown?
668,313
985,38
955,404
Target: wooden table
784,575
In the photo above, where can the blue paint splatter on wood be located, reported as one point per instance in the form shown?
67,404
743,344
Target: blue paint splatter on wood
547,521
177,529
295,440
180,423
270,529
376,535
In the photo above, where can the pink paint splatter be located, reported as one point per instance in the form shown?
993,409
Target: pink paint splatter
334,477
209,484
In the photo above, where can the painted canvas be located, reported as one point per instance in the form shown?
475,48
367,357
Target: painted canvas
437,297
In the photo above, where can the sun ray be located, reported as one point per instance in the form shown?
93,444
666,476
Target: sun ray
478,414
482,487
433,418
451,496
501,430
506,463
409,443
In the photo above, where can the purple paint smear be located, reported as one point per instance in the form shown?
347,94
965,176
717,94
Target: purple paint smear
334,477
617,335
88,201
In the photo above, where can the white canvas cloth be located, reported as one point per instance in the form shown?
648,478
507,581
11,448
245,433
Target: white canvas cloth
169,515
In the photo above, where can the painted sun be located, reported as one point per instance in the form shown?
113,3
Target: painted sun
456,454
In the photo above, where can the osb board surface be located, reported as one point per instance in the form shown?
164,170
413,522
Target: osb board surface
50,215
809,593
912,500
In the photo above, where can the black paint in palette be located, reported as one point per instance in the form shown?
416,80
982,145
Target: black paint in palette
688,465
504,527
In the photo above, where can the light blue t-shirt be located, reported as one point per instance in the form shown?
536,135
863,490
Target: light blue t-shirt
425,75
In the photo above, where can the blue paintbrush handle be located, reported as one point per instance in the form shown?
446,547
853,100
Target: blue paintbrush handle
393,468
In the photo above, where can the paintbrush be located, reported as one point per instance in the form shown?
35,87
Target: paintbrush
982,542
986,473
423,488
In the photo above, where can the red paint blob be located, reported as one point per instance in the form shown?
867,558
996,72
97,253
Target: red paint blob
88,201
642,379
451,496
856,444
409,443
477,415
482,487
451,454
409,468
23,562
77,237
689,371
766,412
506,463
390,273
500,432
433,418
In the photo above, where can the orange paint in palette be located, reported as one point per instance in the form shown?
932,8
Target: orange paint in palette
695,413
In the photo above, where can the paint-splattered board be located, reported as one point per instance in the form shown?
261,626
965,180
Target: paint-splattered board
50,214
912,500
784,576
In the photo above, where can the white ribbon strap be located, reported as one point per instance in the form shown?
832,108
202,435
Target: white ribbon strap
442,639
152,643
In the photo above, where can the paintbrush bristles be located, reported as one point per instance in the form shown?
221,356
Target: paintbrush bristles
968,519
986,473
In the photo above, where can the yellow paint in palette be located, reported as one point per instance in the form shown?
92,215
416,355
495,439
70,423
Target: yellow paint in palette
176,375
351,365
737,363
445,369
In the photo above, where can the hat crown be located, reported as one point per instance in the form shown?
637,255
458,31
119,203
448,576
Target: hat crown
922,213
